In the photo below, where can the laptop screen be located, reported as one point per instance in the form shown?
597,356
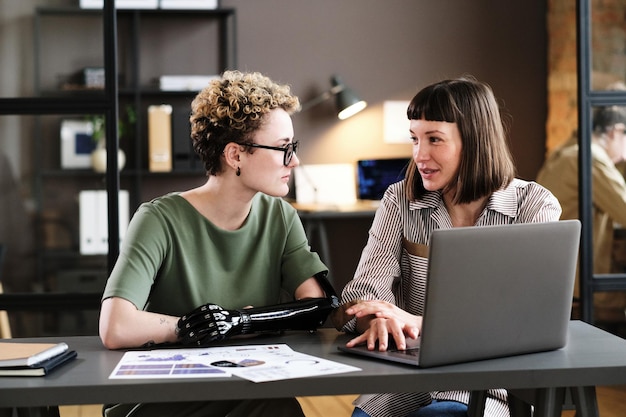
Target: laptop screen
375,175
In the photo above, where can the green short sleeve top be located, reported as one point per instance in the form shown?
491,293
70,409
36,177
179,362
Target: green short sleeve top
173,259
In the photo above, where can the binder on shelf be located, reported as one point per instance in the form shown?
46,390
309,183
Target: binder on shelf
160,138
93,224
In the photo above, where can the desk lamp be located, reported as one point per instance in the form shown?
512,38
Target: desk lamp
348,103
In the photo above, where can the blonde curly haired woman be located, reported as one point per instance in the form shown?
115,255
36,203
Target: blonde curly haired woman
225,246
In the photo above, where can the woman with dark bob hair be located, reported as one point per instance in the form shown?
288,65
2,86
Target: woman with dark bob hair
461,174
214,261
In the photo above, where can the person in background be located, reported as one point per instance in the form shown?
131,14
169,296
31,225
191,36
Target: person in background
209,263
560,175
619,249
461,174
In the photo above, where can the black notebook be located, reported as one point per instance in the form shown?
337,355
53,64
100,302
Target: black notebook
39,369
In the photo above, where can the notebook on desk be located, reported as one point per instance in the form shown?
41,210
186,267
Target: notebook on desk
494,291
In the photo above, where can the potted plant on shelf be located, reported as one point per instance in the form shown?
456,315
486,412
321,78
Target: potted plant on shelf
98,135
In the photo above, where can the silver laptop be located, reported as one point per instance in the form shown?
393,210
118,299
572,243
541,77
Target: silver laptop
494,291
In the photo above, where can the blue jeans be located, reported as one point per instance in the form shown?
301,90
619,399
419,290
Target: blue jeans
434,409
357,412
441,409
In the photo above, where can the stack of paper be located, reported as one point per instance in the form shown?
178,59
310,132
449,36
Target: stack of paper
32,359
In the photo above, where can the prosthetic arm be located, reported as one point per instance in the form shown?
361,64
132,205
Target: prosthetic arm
210,322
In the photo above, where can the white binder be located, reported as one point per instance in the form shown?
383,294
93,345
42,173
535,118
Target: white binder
93,214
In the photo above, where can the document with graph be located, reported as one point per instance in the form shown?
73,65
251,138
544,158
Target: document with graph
257,363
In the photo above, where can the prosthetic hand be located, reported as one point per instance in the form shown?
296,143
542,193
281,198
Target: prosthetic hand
210,322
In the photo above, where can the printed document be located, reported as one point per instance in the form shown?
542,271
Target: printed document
257,363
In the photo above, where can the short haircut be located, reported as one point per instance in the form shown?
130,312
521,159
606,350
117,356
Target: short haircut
486,161
230,109
604,118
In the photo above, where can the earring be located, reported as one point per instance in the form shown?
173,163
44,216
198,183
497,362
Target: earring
238,172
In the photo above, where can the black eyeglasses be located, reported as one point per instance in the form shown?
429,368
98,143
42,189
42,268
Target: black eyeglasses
288,150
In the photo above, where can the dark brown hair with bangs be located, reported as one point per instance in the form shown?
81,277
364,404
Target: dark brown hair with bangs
486,162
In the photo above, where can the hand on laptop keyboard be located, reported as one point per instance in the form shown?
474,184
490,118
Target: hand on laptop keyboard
384,322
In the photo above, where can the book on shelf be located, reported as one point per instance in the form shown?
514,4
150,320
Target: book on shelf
185,82
120,4
41,368
189,4
26,354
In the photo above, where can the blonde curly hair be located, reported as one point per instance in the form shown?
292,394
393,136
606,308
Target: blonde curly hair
230,109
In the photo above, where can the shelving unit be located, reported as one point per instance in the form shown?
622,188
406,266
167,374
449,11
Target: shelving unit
151,43
134,47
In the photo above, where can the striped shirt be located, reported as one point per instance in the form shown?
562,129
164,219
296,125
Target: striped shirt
394,263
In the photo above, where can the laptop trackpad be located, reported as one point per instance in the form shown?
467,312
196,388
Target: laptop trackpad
408,356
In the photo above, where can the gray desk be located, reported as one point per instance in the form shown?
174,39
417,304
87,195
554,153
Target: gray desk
592,357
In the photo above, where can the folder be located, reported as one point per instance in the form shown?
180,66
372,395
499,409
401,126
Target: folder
93,215
160,138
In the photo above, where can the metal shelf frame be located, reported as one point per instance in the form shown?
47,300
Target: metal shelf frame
587,99
106,103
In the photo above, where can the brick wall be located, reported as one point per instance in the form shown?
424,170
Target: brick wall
608,33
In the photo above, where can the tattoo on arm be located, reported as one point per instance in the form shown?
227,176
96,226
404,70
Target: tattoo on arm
165,321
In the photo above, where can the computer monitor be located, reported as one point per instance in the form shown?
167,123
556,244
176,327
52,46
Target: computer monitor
375,175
